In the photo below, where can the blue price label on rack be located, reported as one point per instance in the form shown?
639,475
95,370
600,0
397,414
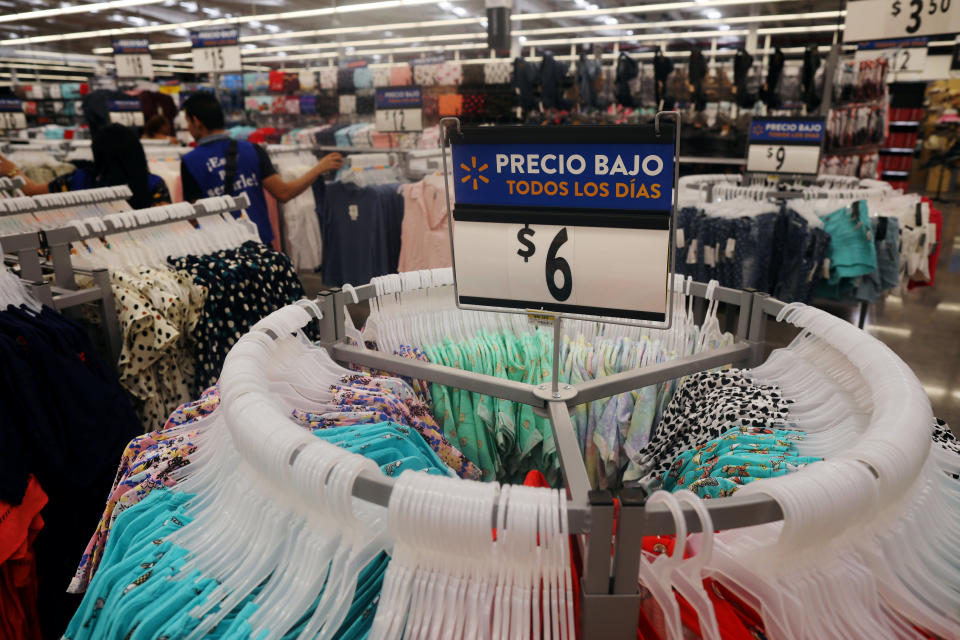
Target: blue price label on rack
399,97
636,177
131,46
571,220
216,38
124,105
788,130
11,105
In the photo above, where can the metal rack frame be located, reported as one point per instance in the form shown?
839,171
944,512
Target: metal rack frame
610,602
63,293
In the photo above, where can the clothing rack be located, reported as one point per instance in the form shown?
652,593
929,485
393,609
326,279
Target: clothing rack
712,184
610,602
48,201
27,247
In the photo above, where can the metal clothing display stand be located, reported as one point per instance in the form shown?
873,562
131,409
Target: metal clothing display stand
64,293
610,601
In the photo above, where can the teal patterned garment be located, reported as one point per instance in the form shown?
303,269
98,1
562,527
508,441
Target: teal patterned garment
139,591
504,439
719,467
507,439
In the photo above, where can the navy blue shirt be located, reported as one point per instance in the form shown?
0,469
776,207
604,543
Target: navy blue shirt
203,171
360,227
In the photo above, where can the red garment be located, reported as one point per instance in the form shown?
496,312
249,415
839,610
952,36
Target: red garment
735,619
19,526
276,80
936,218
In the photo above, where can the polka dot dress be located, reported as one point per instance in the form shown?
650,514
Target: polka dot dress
158,311
244,285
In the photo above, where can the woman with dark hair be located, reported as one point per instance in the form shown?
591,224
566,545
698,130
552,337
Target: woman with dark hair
118,159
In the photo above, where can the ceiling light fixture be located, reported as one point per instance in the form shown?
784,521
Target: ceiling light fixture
217,22
639,26
68,10
713,14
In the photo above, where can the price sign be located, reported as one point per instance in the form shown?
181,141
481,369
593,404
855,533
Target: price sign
575,221
399,109
785,145
904,55
886,19
12,115
132,57
216,51
127,112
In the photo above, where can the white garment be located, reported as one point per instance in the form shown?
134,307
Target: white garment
301,226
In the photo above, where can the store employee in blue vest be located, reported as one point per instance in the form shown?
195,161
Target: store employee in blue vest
220,160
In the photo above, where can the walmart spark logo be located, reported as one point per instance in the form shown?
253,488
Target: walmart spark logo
474,173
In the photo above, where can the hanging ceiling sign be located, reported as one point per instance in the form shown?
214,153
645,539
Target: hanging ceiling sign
887,19
570,220
904,55
12,115
132,58
216,51
785,145
399,109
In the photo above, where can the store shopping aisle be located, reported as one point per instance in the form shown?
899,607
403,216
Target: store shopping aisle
922,327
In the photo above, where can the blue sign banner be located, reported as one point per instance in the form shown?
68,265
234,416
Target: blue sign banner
11,105
399,97
124,105
896,43
131,45
623,176
807,131
218,38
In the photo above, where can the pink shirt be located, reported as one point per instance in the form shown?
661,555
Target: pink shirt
425,236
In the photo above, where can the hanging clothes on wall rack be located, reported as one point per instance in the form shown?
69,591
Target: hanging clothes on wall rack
697,71
361,220
797,242
301,237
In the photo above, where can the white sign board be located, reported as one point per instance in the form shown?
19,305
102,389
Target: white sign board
216,51
399,119
588,269
132,58
773,158
785,145
904,55
887,19
399,109
574,221
11,114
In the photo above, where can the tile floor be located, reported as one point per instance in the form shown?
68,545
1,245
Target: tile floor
922,326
